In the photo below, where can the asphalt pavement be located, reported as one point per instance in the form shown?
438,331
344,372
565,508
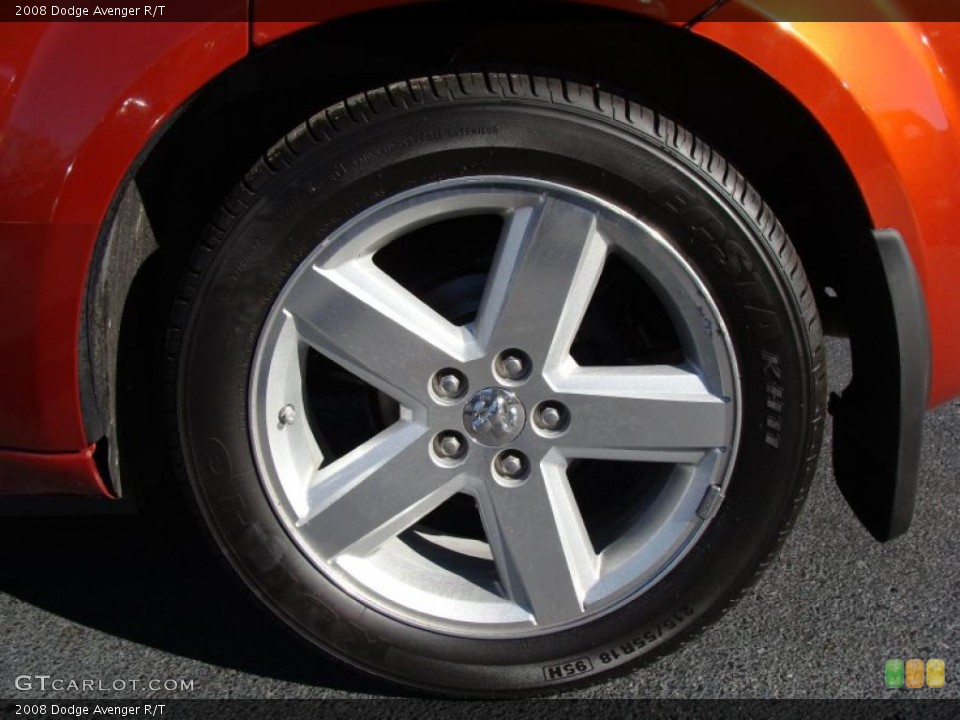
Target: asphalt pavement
128,598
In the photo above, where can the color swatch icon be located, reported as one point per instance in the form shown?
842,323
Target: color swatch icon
914,673
893,673
936,673
897,674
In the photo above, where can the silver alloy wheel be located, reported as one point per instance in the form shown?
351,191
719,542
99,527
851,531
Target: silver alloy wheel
356,517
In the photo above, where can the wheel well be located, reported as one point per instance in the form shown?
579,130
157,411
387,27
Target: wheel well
215,139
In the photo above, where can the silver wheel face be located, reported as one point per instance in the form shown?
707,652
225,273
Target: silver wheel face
497,411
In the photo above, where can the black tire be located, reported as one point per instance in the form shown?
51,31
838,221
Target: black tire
354,153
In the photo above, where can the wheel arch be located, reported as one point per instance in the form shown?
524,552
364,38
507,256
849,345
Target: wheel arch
715,92
68,133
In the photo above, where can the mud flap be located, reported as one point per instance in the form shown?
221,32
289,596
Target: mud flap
878,419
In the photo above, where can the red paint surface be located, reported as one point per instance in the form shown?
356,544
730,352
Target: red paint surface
38,474
78,101
887,94
274,19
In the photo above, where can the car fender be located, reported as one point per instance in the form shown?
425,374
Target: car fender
275,19
115,84
886,94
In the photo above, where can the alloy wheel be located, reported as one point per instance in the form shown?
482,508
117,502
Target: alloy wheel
496,410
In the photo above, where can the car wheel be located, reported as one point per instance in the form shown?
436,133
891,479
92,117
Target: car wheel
492,383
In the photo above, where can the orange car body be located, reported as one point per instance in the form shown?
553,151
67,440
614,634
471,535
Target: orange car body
81,104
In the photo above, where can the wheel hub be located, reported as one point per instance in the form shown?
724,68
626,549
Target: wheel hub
494,417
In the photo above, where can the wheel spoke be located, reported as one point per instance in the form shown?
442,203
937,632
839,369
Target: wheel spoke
375,492
542,551
363,320
543,276
651,414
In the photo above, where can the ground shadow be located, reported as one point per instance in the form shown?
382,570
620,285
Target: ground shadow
152,578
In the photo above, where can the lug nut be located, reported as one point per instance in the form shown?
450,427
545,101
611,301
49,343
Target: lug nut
449,446
552,416
511,464
288,415
513,365
449,384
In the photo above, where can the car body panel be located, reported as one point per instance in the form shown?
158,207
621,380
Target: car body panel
272,19
76,473
887,94
60,173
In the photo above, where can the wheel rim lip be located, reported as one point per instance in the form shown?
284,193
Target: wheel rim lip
350,581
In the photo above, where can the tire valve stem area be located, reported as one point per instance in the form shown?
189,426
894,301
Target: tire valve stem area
287,415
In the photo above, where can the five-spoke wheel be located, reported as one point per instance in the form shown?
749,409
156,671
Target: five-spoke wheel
495,409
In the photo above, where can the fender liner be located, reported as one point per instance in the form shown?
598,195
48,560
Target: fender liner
878,419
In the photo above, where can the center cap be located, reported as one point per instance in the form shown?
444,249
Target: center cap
494,417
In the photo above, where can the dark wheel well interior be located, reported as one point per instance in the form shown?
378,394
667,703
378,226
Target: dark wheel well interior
203,152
